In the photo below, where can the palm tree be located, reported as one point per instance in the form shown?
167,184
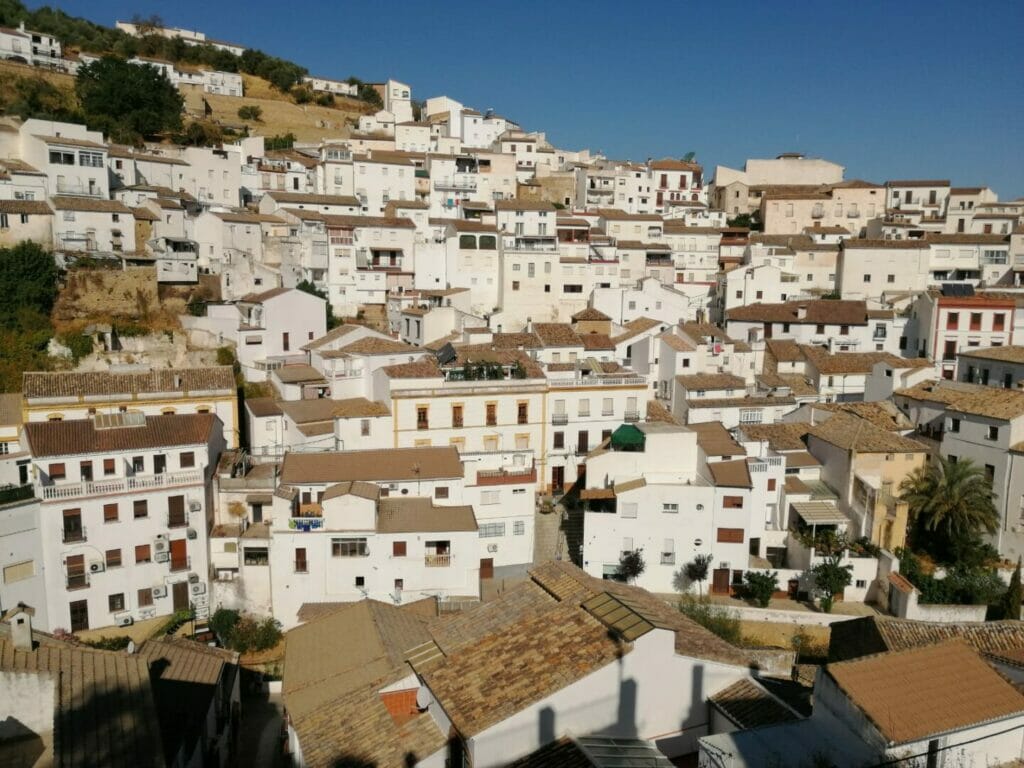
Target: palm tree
952,498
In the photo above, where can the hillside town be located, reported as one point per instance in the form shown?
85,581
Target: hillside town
444,445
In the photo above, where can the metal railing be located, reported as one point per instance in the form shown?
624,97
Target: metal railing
120,485
631,416
70,536
559,419
77,581
468,185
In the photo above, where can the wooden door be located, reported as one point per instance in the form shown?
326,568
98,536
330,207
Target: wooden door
557,479
179,558
79,615
487,568
720,581
179,591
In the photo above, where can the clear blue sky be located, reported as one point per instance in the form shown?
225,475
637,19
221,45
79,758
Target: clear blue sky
888,89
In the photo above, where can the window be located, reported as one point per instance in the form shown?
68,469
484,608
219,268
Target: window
398,549
750,416
492,530
492,414
861,583
138,464
140,508
61,158
116,602
607,406
113,558
256,556
145,597
176,512
110,513
490,497
360,582
441,492
867,278
628,511
349,547
998,322
732,502
187,459
515,285
142,554
422,421
56,472
670,508
559,440
90,159
109,467
820,329
522,413
19,571
990,473
518,528
844,330
954,425
730,535
993,433
975,321
952,321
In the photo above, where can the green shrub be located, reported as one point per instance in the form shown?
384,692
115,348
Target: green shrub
79,344
250,112
716,618
109,643
759,587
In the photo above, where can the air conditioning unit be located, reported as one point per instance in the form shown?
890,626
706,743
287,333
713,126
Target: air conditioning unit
160,591
162,557
193,578
191,533
392,486
125,621
161,544
492,547
198,589
195,506
96,566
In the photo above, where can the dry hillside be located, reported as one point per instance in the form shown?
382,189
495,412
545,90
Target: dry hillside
281,115
106,296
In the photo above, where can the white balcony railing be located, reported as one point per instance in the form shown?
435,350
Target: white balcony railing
120,485
605,381
437,561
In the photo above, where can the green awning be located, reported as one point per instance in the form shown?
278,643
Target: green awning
627,438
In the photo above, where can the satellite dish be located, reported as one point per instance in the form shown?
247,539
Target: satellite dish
423,698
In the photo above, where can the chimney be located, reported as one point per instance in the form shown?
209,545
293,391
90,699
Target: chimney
801,312
21,627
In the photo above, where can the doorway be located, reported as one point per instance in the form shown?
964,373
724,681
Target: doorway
557,479
720,581
179,592
79,615
487,568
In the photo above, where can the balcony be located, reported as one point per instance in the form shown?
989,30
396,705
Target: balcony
119,485
437,561
181,564
468,185
506,476
305,524
77,581
11,494
597,381
559,419
631,416
73,535
67,187
668,558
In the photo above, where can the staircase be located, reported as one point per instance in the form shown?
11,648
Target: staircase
572,535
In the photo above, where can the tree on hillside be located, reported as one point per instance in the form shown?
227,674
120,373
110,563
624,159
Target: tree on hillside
631,565
950,506
831,578
1013,596
29,277
694,571
147,25
128,101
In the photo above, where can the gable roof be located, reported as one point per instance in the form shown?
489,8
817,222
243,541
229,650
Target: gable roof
65,438
75,384
428,463
918,693
852,433
875,634
818,312
972,399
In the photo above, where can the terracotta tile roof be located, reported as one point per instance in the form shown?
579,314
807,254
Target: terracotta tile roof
262,296
679,344
730,474
561,753
298,374
875,634
658,413
326,409
780,437
847,362
614,214
523,205
313,199
465,225
918,183
360,488
882,414
596,342
30,207
794,485
374,345
710,381
800,459
914,694
332,697
103,707
238,217
701,332
424,368
636,327
818,312
851,433
796,383
1011,353
66,141
419,515
741,402
91,204
355,222
590,313
955,238
557,335
64,438
331,335
541,626
748,705
430,463
261,407
668,164
912,245
715,440
973,399
144,214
